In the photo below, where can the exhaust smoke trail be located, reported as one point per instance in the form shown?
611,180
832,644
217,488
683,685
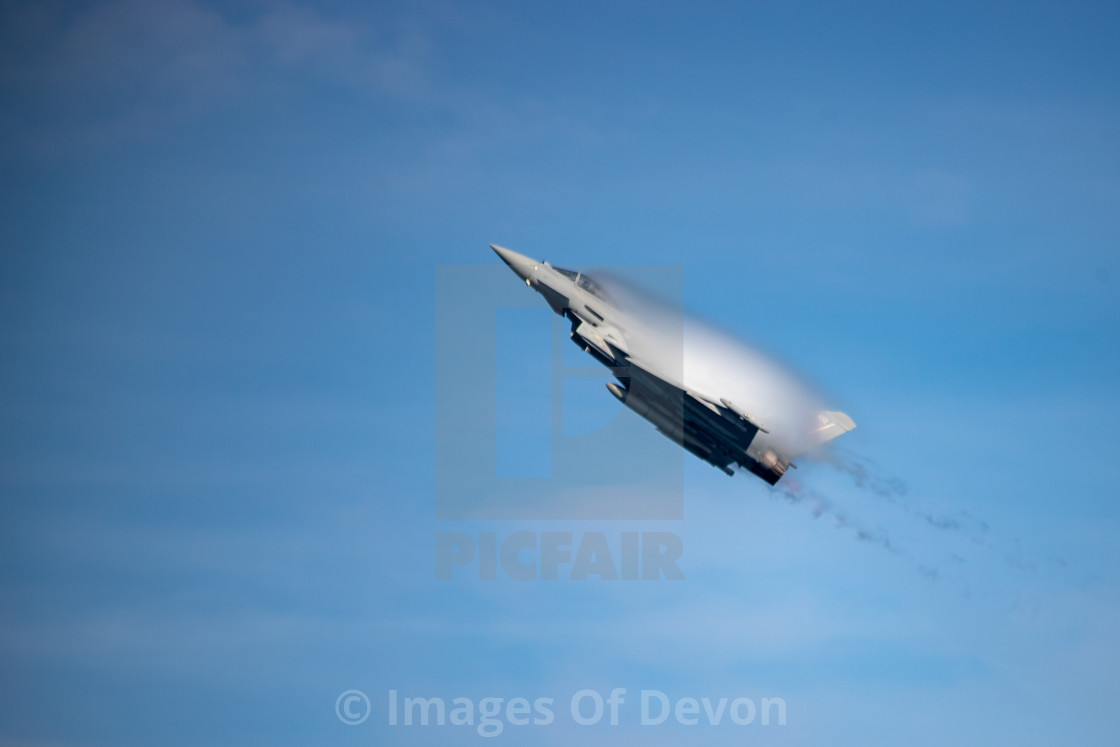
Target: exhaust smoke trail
819,505
796,493
867,476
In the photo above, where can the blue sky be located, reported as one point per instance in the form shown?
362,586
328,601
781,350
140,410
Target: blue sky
221,228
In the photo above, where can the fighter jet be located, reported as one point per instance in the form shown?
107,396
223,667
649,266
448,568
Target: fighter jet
718,399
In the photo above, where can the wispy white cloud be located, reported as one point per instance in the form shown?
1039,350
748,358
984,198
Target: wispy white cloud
82,77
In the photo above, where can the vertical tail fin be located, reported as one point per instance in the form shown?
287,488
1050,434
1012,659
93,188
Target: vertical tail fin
833,424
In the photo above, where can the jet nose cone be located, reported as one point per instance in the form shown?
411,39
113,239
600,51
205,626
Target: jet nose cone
519,263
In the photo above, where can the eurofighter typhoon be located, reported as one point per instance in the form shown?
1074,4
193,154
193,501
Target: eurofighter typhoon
708,392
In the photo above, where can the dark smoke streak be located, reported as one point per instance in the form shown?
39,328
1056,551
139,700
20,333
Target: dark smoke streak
867,476
864,474
797,494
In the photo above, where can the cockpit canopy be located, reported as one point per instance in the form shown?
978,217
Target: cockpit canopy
583,281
